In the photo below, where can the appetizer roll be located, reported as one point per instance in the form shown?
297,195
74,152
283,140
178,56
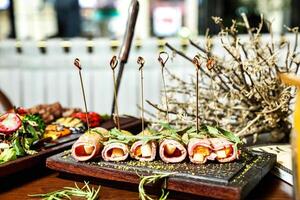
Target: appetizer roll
199,150
224,150
172,151
143,151
116,151
89,144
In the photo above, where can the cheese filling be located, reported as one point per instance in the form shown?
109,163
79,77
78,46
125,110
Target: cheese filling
170,149
200,153
144,150
117,152
224,153
88,149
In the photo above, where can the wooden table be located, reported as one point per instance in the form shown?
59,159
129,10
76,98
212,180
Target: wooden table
41,180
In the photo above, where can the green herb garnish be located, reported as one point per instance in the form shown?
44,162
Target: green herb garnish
219,132
68,192
146,180
117,136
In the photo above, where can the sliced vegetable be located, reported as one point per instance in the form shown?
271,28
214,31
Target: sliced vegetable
9,123
93,117
56,131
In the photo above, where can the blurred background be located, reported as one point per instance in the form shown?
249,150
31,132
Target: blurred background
39,40
42,19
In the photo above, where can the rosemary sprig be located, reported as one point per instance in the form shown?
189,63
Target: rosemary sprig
146,180
68,192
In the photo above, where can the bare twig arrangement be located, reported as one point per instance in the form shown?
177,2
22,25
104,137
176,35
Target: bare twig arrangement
113,65
240,90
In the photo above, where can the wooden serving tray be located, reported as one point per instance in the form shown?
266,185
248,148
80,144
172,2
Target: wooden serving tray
223,181
131,124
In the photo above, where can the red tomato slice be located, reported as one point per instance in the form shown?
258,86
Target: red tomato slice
93,117
9,123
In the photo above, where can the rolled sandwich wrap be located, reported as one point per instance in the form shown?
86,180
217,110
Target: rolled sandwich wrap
172,151
200,150
143,151
88,145
224,150
116,151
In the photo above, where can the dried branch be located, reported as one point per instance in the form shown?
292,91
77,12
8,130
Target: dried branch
239,90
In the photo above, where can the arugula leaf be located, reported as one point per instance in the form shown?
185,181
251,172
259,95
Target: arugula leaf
35,121
232,137
219,132
119,136
212,130
18,148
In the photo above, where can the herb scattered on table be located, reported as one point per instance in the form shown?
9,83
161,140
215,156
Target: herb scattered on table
68,192
146,180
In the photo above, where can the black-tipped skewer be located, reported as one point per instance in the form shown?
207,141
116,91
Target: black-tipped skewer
197,63
163,58
113,65
78,65
141,62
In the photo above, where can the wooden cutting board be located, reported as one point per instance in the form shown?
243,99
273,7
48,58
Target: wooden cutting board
223,181
131,124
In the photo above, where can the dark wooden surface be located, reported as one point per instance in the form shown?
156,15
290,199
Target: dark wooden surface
227,181
127,123
41,180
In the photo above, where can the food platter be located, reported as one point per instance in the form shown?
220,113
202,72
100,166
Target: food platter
232,180
127,123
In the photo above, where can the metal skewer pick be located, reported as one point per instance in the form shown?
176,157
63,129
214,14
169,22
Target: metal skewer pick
141,62
197,64
113,65
163,58
78,65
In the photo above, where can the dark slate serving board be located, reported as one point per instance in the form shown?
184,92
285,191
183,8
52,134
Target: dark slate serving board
131,124
223,181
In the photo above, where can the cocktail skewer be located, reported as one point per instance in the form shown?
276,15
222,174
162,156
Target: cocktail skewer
197,64
210,64
78,65
163,62
113,65
141,62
